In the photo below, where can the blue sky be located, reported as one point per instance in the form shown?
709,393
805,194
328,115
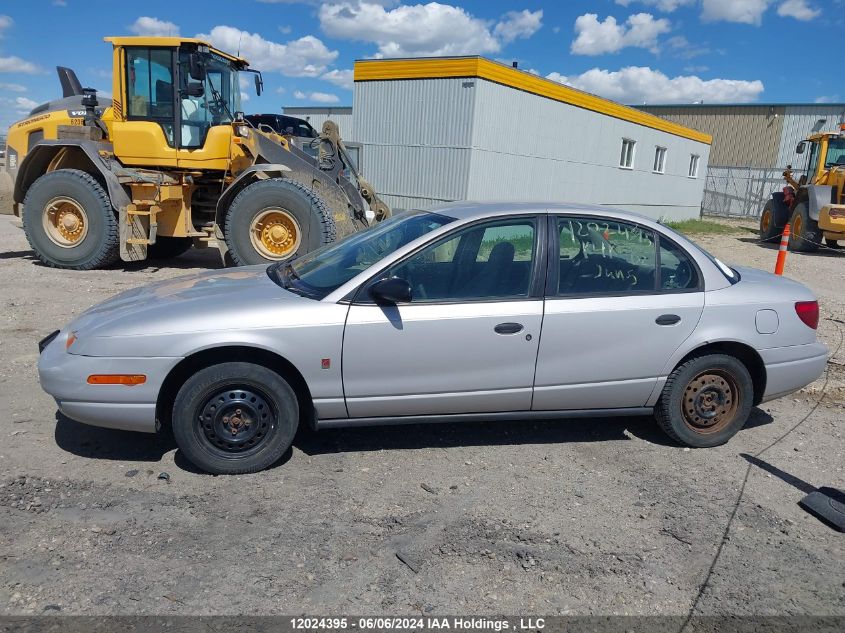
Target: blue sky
634,51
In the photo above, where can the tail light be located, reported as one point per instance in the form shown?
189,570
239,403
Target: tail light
808,312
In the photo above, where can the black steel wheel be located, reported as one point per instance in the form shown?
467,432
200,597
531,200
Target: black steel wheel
706,401
805,235
235,418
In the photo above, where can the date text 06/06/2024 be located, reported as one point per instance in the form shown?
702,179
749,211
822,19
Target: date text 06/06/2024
416,623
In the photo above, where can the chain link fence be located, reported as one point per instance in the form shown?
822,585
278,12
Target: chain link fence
741,191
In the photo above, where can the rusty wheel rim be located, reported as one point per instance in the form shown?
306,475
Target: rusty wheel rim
275,234
766,220
710,403
65,222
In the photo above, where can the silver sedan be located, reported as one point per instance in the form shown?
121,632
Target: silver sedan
463,312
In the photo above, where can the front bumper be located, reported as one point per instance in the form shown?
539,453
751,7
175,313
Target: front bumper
132,408
790,368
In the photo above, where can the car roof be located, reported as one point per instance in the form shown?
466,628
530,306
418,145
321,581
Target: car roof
466,210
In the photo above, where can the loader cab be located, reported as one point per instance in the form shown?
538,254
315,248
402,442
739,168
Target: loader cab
179,100
824,152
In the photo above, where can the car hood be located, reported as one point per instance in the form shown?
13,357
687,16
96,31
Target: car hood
229,299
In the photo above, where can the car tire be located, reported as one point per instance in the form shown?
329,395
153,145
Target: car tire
298,216
805,234
706,401
69,222
769,232
235,418
168,247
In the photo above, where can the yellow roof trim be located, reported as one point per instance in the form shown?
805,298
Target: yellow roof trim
142,40
450,67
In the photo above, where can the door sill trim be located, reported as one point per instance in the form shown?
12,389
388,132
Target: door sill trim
338,423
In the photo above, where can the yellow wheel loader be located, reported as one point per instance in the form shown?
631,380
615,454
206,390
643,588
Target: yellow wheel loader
169,162
814,205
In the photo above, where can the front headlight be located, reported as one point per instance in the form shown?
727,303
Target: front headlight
242,130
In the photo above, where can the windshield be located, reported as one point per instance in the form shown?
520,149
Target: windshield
324,270
835,153
217,105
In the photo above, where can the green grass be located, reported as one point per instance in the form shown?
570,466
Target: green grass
698,227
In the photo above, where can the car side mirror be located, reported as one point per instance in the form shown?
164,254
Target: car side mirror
197,69
392,290
194,89
801,147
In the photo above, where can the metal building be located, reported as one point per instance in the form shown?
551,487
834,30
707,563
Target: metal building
442,129
752,145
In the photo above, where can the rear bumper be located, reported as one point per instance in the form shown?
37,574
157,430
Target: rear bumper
65,377
790,368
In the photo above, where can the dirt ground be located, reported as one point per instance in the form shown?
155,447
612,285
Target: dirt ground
570,517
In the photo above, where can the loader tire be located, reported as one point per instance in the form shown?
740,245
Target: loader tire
69,222
769,231
168,247
804,235
275,220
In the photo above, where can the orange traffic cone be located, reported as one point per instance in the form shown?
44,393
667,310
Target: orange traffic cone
784,246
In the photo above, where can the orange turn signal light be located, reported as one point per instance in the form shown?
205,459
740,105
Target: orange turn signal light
129,380
71,339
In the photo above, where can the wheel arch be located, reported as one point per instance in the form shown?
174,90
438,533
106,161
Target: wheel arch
202,359
744,353
49,156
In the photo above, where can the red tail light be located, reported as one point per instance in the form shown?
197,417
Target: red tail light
808,312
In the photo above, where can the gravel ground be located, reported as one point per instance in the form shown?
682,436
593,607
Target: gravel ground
571,517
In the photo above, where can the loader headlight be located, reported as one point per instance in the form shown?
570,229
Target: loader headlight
242,130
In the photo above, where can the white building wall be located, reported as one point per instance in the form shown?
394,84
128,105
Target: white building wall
433,140
527,147
798,124
416,139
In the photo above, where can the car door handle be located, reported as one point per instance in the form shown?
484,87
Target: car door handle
667,319
508,328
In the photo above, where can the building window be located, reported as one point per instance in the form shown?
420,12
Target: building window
626,158
693,165
659,160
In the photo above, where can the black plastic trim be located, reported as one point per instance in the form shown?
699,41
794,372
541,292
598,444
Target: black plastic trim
338,423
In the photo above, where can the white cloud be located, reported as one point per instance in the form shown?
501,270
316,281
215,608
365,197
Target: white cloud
666,6
153,27
409,30
518,24
596,38
280,90
683,48
742,11
12,87
23,104
17,65
304,57
798,9
244,96
827,99
59,3
341,78
637,84
5,23
318,97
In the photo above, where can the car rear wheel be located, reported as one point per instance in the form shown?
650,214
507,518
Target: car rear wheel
706,401
235,418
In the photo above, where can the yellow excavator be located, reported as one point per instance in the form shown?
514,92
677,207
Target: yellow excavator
814,205
168,161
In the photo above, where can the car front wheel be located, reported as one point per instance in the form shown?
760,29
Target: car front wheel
235,418
705,401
